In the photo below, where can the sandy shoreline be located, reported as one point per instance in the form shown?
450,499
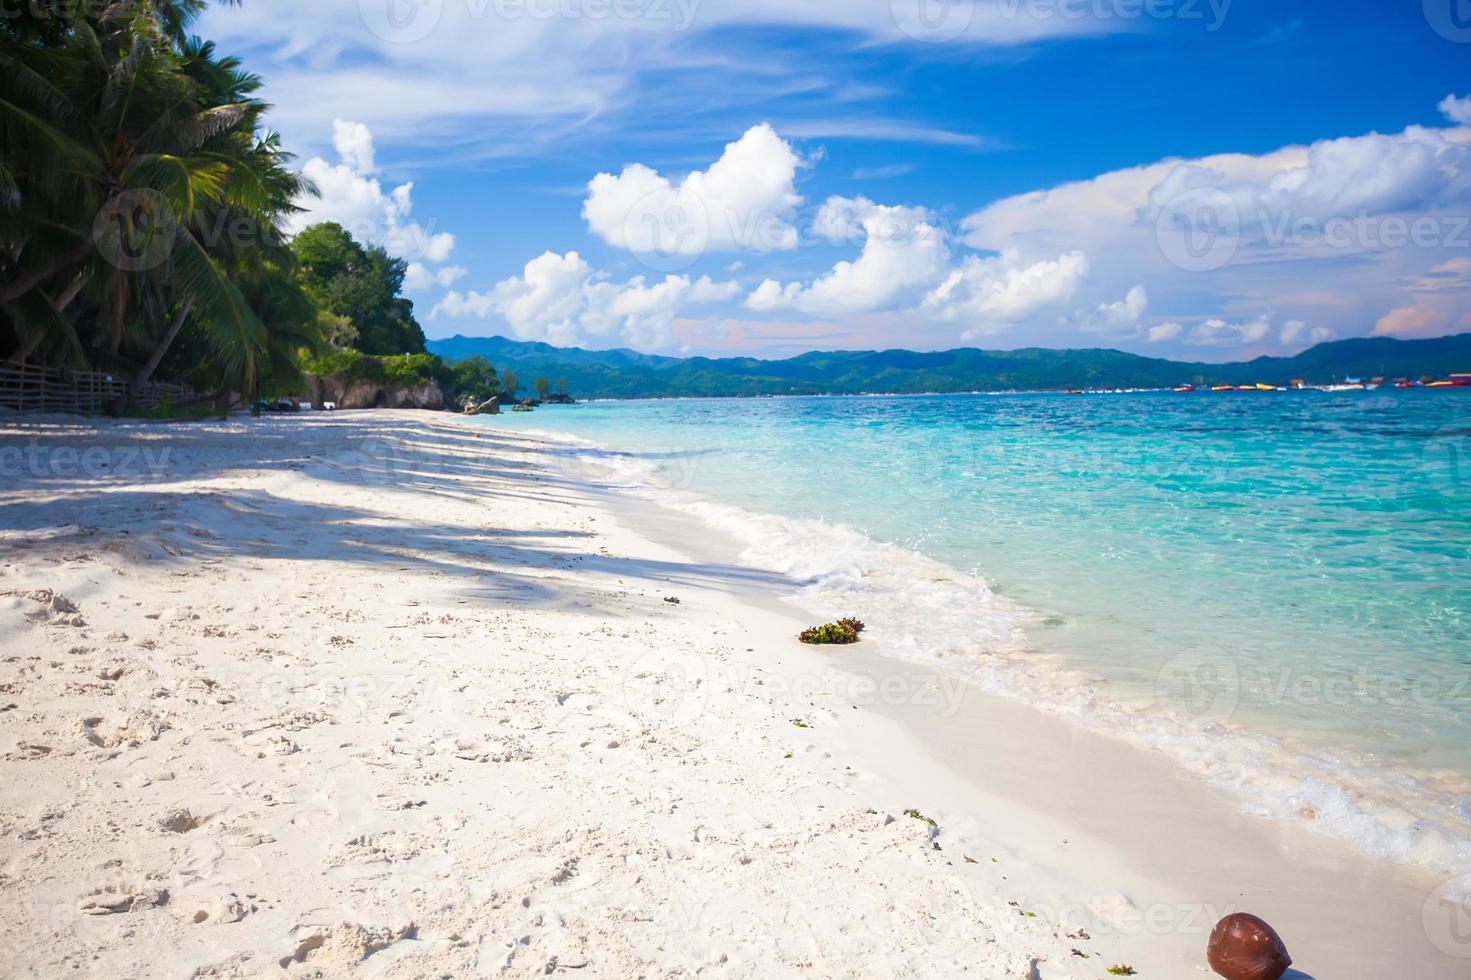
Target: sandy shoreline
383,694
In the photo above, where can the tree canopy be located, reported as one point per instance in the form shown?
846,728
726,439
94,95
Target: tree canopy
360,283
142,201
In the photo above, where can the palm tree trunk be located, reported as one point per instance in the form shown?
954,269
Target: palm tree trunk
70,292
19,287
123,401
28,347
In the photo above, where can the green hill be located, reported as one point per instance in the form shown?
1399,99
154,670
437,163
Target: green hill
630,374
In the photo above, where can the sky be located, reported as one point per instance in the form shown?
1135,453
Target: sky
1201,179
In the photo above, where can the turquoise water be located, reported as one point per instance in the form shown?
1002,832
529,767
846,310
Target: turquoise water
1251,581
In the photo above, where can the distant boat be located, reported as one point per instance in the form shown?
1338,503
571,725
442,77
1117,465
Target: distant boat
1223,388
1349,385
1184,388
1262,387
1075,391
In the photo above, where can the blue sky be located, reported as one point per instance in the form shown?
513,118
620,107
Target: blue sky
1211,179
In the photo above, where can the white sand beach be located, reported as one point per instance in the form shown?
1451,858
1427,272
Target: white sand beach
387,694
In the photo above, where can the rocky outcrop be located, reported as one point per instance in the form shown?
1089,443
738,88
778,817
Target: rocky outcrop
471,405
427,395
375,394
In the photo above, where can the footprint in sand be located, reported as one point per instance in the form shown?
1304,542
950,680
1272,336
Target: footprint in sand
131,731
182,821
122,897
496,748
344,944
45,606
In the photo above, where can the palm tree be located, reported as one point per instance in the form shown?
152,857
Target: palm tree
136,190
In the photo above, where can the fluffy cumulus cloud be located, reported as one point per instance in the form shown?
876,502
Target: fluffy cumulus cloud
1457,110
349,194
1163,332
1250,334
746,200
906,263
1122,316
995,294
419,276
902,253
562,300
1339,233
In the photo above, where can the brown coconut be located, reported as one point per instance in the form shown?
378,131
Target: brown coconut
1243,947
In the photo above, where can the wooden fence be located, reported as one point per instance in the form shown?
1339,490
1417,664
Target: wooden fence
28,388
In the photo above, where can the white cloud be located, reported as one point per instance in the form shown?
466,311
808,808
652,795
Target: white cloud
354,145
419,276
1161,332
1333,234
902,255
905,264
1296,333
491,78
1219,333
562,300
350,196
746,200
1125,313
1457,110
1002,291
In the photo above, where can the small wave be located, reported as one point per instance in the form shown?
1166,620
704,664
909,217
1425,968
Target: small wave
925,611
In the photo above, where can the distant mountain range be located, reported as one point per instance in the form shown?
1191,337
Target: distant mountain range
629,374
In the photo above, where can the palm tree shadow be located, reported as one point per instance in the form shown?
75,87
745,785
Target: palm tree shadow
150,516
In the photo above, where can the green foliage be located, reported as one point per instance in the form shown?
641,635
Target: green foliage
509,382
409,370
361,284
336,329
143,202
348,365
474,376
166,411
1122,970
843,631
543,385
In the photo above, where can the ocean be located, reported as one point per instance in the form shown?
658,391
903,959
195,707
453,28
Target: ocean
1273,587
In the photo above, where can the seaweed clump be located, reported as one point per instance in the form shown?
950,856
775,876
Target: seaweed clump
843,631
